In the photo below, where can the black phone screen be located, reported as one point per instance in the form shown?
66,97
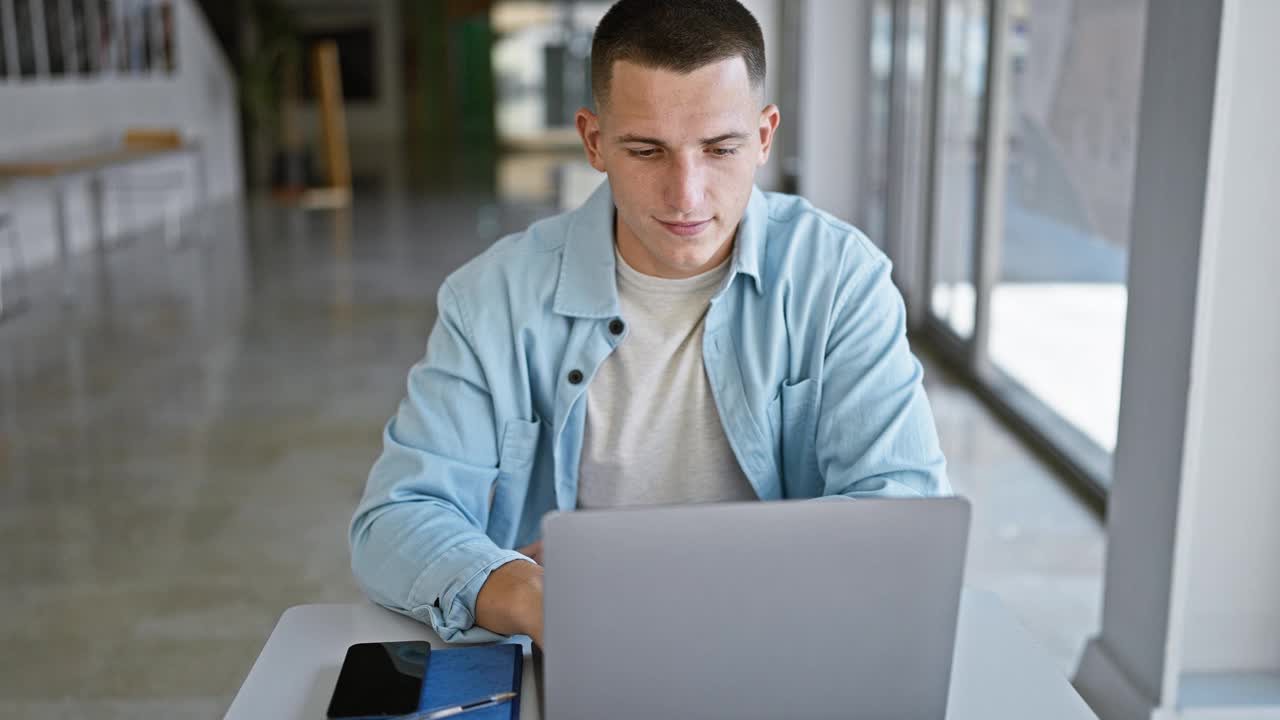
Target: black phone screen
380,680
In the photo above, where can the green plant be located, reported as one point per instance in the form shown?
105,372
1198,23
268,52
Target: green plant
269,74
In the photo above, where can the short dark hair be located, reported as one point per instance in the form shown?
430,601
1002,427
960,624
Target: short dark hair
677,35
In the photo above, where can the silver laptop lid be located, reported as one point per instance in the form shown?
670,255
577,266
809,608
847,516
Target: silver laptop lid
794,609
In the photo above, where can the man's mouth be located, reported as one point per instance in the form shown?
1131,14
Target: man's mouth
685,228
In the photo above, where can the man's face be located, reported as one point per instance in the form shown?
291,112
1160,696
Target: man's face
681,152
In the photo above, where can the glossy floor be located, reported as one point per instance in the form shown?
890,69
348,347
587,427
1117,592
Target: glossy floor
181,449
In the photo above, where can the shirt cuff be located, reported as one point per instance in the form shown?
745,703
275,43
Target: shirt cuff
461,571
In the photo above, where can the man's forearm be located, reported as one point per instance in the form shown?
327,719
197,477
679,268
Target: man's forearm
510,601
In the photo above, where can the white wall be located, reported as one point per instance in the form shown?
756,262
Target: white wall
1232,616
199,99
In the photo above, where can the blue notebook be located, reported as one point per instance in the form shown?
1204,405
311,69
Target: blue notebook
461,675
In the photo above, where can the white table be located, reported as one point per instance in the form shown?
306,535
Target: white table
999,673
56,167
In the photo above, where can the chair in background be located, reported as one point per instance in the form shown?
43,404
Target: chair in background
169,185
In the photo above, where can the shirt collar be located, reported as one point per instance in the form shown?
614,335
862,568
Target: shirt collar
587,286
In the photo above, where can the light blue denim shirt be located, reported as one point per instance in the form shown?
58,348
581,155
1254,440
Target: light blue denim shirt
805,352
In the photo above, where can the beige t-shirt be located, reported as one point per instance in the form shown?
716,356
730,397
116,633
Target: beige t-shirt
653,432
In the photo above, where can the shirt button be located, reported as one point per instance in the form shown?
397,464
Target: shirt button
575,377
616,326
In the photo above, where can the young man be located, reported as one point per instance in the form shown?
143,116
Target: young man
681,337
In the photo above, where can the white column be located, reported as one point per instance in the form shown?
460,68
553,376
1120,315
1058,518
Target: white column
769,14
834,63
1191,616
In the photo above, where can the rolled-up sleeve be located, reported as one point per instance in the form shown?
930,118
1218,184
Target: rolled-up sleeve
876,434
417,537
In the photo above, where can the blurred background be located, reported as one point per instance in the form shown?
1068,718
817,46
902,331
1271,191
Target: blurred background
219,253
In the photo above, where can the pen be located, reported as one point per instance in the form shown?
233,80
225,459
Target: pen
451,710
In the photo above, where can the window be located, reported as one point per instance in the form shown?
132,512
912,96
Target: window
1058,305
963,91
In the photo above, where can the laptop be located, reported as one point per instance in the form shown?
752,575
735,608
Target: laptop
792,609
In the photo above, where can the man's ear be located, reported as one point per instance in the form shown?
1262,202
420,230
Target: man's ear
589,130
769,119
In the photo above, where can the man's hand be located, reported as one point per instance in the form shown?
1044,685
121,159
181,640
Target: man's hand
510,601
534,551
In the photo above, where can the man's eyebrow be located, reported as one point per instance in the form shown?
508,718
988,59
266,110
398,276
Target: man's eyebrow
630,138
725,136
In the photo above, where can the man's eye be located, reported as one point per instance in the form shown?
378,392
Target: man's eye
643,153
724,152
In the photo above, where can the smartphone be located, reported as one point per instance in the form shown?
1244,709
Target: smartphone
380,680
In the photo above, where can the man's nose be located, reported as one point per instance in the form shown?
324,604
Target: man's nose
686,185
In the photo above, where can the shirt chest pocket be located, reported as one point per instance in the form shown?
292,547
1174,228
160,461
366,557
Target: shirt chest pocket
793,415
516,456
